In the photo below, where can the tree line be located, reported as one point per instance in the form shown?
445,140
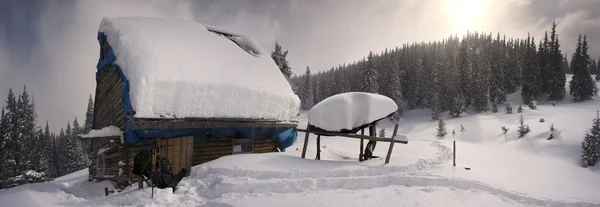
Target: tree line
30,153
475,72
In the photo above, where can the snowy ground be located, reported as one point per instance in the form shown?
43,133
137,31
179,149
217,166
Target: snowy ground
504,171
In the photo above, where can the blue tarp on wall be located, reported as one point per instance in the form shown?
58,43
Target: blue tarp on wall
284,136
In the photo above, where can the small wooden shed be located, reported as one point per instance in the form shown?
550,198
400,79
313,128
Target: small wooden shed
187,141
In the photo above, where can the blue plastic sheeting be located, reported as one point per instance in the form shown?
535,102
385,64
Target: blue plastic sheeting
284,136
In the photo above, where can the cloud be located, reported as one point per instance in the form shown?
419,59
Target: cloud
61,69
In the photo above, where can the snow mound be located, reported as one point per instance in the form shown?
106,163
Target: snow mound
182,69
347,111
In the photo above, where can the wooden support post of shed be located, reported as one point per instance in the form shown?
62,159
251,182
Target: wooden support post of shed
389,154
318,147
362,143
306,140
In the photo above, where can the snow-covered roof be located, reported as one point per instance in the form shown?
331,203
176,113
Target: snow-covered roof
347,111
180,69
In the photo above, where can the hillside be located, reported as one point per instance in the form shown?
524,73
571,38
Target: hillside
504,170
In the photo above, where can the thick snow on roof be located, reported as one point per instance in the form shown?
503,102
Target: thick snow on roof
350,110
178,68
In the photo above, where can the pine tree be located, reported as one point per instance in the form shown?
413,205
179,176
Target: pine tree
370,76
522,129
591,143
465,71
10,126
441,129
81,153
581,87
544,65
396,90
307,92
556,80
49,152
530,74
279,56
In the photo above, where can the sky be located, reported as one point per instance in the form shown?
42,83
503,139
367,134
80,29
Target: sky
51,46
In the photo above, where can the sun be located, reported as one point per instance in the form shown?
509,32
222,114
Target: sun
465,14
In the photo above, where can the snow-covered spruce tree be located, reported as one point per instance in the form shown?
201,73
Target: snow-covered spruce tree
542,57
34,145
279,56
83,158
522,128
557,79
369,76
465,71
455,97
496,59
581,87
481,82
441,129
306,91
396,91
51,171
530,74
508,107
591,142
8,162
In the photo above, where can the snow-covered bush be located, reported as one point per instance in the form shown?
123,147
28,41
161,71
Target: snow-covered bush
520,109
532,105
382,132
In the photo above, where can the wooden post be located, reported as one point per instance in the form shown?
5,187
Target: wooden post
454,153
389,154
140,182
306,140
318,148
362,143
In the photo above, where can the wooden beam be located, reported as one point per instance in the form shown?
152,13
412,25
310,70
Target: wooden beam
356,136
362,146
307,133
140,124
318,157
389,154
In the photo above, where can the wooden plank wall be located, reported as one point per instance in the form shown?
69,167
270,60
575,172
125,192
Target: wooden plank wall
109,106
211,149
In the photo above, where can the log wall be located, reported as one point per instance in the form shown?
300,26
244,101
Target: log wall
106,155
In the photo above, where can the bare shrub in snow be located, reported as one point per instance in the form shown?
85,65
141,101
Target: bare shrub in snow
382,133
504,130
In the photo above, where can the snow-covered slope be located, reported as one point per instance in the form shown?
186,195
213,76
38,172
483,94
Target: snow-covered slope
504,171
178,68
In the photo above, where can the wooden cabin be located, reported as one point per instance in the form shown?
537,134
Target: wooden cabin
185,142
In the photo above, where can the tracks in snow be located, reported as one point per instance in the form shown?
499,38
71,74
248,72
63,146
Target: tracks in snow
216,182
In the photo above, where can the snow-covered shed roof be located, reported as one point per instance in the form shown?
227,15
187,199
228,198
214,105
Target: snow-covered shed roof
348,111
184,69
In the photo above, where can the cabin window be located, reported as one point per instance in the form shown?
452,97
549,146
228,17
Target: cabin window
242,146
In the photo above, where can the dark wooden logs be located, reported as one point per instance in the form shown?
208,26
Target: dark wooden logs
318,148
307,133
389,154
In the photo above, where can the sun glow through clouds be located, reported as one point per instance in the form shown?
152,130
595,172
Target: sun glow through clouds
465,14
